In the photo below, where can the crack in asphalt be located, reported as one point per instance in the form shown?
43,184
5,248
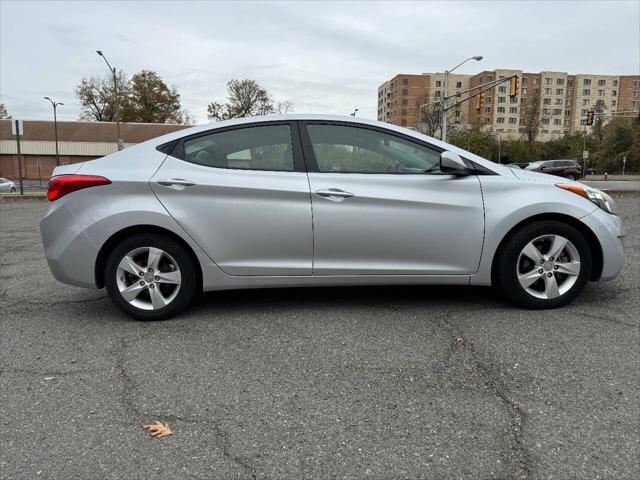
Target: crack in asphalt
609,319
127,396
59,373
500,390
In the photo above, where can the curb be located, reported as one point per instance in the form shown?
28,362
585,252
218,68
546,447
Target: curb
15,197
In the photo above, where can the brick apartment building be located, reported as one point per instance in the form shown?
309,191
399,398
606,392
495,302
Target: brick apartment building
77,142
564,100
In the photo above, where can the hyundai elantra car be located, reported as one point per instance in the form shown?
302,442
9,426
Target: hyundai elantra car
309,200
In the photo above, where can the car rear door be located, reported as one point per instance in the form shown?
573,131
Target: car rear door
242,194
381,206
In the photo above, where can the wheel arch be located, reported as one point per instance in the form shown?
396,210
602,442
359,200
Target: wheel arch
107,247
594,244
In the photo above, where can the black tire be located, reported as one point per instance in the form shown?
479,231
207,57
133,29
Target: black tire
13,190
506,265
571,176
188,288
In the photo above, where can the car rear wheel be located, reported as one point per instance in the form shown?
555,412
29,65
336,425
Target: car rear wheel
151,277
544,265
571,176
13,189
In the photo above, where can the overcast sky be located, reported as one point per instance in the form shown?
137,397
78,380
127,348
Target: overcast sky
325,57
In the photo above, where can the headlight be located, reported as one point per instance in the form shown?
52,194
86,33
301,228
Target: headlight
598,197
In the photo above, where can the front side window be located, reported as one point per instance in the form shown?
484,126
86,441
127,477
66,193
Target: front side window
251,148
343,149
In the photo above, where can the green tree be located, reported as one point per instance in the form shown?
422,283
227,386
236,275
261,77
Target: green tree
150,100
3,111
620,138
245,98
530,120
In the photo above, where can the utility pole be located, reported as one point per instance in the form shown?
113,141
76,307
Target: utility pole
117,98
55,126
17,126
445,100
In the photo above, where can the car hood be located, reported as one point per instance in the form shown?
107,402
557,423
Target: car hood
538,177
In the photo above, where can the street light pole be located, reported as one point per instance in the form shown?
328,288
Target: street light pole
445,100
117,98
55,126
354,112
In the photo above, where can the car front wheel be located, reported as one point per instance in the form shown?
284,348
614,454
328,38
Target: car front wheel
13,190
544,265
571,176
151,277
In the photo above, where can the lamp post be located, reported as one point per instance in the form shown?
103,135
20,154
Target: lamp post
117,98
55,126
354,112
445,100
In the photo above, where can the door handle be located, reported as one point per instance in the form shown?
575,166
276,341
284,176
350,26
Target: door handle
175,182
334,192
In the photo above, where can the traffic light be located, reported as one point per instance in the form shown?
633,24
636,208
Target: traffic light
590,115
479,101
513,86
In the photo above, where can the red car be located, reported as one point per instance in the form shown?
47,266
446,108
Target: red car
562,168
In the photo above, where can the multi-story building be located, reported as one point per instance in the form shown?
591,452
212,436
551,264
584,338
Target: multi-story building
399,98
563,100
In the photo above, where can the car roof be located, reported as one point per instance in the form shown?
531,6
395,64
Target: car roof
333,118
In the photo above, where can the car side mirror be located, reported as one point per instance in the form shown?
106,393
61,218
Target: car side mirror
452,164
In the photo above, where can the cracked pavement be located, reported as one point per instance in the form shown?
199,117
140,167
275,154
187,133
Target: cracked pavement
384,382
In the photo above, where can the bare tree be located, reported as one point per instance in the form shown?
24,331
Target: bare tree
598,121
3,111
429,116
97,99
245,98
285,107
530,119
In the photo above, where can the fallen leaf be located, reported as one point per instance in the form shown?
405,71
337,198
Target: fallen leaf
158,429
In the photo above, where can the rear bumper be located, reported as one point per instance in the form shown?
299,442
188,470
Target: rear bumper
70,253
610,232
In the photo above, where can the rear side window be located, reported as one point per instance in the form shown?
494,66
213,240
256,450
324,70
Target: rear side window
251,148
358,150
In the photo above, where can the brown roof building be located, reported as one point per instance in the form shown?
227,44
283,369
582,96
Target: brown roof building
77,142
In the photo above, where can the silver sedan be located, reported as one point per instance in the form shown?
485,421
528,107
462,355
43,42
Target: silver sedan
303,200
7,186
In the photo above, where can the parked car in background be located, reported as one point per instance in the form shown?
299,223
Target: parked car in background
560,168
7,186
314,200
590,171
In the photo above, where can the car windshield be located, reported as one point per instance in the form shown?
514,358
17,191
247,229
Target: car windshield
534,165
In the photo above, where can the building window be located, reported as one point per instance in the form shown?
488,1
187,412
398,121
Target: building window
585,101
535,81
546,111
524,80
502,89
584,112
613,103
601,93
513,100
404,111
559,81
404,101
500,110
513,120
557,121
567,122
502,99
636,83
569,92
524,91
545,121
586,82
458,84
547,91
513,109
567,112
586,92
500,120
548,81
438,83
405,91
559,91
615,83
602,83
558,101
634,93
405,81
487,99
437,94
614,93
457,113
487,109
487,119
557,111
546,101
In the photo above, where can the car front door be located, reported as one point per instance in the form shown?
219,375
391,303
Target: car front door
381,205
242,194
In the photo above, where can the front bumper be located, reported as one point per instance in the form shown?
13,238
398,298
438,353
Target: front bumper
69,251
609,231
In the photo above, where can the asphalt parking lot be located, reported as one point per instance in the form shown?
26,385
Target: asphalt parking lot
384,383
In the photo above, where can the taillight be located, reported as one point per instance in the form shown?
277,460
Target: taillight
60,185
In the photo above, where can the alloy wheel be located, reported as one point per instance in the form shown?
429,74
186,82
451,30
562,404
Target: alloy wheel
548,266
148,278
